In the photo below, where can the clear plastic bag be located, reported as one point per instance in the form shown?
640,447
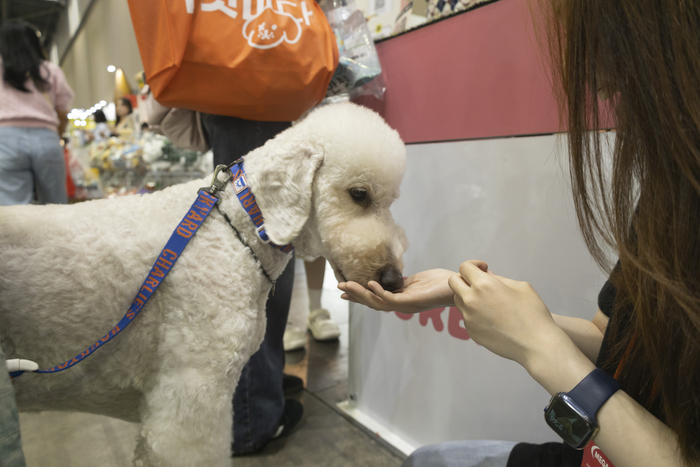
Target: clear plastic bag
359,70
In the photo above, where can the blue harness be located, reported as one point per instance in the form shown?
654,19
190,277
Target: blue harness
206,200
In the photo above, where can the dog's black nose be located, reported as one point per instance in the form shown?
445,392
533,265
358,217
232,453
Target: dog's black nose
391,280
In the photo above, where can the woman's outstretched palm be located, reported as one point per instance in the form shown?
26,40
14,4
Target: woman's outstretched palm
422,291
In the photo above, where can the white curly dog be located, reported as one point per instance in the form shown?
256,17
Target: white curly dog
69,273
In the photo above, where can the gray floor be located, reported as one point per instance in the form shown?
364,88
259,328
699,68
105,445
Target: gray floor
324,437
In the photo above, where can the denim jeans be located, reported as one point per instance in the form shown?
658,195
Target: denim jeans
473,453
31,158
258,403
11,454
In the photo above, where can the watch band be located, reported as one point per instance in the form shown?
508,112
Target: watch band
593,391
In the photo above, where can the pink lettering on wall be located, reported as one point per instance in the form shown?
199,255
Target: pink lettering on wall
455,325
433,315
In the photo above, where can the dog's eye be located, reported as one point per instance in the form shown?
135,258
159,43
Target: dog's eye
359,195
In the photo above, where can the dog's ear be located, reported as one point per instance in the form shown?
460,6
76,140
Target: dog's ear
283,188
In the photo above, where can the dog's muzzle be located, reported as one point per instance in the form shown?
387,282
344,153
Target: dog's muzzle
391,279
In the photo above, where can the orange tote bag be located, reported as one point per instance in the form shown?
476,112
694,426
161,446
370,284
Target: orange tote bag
267,60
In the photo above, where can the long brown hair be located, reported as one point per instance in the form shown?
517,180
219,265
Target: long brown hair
644,203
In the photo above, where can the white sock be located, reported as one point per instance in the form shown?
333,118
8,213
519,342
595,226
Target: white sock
315,299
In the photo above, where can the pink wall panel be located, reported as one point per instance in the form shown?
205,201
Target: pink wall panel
476,75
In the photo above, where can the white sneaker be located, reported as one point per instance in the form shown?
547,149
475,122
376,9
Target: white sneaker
321,326
294,338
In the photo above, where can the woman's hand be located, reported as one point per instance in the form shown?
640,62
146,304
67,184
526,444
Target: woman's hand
423,291
505,316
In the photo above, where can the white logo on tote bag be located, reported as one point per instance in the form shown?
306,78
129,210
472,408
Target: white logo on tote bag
262,31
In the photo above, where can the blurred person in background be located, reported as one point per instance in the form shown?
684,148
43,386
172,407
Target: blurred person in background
34,103
102,129
126,124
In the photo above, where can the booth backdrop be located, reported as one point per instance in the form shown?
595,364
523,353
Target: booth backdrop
486,179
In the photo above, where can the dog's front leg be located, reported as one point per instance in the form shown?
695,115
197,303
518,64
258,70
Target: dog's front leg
187,420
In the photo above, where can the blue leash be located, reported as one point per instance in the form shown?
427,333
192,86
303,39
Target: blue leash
206,200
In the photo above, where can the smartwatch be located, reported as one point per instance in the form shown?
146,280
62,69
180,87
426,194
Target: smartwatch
572,414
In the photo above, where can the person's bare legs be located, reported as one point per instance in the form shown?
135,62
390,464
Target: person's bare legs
315,271
319,322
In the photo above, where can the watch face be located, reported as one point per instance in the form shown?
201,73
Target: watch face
573,425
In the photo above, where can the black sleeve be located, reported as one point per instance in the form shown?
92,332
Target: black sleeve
544,455
606,297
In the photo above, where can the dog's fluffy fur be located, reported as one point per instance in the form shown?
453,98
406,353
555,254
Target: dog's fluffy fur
69,273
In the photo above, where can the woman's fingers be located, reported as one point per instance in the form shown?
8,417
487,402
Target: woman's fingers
378,289
354,292
469,272
473,269
375,290
458,285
